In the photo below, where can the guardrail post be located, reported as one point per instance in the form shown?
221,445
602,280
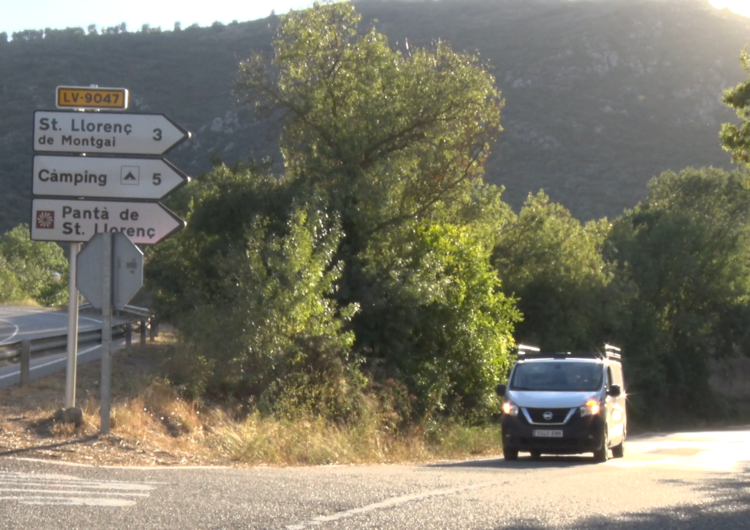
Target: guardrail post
25,362
143,332
154,328
129,337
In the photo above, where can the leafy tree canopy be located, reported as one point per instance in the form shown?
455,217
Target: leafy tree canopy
10,290
686,253
34,264
553,264
388,135
379,222
736,138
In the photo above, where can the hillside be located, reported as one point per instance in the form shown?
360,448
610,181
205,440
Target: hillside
601,95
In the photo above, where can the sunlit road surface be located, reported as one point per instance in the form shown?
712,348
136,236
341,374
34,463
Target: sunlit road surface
676,481
718,451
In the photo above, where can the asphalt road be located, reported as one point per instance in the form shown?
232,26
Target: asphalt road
689,480
20,323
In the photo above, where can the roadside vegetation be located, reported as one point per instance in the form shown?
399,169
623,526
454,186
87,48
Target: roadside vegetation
153,423
364,304
31,272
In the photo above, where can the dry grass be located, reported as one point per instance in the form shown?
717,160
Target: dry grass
152,425
261,440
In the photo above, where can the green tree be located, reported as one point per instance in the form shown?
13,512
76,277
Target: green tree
250,285
386,150
10,290
34,265
736,138
553,264
686,252
388,136
396,143
438,320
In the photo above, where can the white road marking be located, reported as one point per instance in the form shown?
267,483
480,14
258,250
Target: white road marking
71,501
388,503
15,332
68,491
139,468
53,489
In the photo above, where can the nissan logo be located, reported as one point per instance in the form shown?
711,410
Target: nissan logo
547,416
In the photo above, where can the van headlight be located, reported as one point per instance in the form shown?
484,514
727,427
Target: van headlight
591,408
510,408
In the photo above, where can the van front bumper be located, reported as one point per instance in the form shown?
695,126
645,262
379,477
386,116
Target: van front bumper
579,435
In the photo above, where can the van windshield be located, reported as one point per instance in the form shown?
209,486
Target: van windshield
564,376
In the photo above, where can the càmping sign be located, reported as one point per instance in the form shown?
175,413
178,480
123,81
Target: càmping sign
116,178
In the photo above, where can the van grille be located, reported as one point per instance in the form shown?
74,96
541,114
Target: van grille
537,415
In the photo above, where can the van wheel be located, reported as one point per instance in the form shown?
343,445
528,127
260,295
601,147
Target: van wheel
618,451
602,455
510,454
536,455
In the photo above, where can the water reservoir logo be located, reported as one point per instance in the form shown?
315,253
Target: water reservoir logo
45,219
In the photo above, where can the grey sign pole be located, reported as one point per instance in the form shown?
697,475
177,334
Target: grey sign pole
70,374
106,378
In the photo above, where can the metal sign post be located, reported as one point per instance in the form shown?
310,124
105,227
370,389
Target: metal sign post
109,274
105,387
70,373
70,203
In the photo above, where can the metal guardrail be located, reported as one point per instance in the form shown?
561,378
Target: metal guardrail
41,344
24,348
130,309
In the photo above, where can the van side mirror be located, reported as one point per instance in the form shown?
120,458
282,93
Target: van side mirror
500,389
615,391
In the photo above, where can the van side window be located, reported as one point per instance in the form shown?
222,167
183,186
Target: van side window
609,377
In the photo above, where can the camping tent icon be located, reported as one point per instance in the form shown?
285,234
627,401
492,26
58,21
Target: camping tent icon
130,175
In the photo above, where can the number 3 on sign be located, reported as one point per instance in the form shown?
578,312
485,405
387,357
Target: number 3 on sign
157,134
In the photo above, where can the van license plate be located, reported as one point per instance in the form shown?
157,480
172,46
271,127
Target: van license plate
547,433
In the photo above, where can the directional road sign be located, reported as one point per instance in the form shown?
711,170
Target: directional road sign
90,176
78,97
105,132
145,223
127,270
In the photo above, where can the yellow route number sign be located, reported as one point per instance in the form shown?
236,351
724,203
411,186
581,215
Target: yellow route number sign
73,97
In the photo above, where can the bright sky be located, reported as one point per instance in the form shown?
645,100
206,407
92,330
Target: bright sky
18,15
738,6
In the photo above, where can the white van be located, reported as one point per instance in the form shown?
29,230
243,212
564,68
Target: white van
565,403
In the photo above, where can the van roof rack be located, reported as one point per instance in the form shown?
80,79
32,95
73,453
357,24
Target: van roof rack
612,352
532,352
